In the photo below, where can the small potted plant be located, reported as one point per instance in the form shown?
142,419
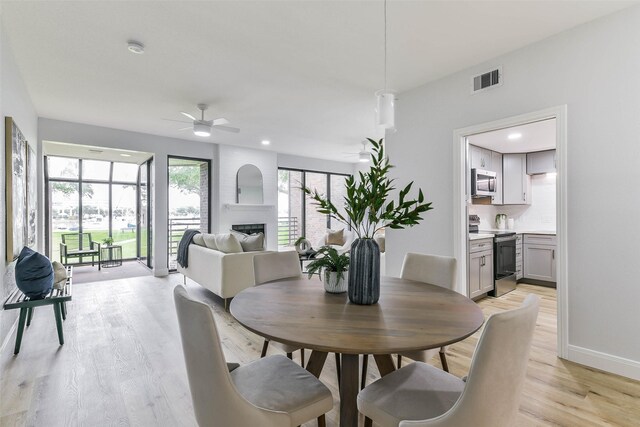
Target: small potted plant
108,241
331,266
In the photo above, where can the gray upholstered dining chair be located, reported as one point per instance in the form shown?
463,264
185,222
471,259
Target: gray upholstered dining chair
273,266
420,395
270,392
433,269
436,270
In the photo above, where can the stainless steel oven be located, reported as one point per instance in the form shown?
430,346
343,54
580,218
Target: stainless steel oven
504,263
483,183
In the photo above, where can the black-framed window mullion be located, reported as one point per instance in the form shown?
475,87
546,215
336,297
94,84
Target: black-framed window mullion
304,204
329,198
110,199
80,228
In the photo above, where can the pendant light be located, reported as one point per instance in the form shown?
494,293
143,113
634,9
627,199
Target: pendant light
385,107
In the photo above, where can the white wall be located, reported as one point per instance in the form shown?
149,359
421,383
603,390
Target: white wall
540,215
231,159
592,70
311,164
15,102
76,133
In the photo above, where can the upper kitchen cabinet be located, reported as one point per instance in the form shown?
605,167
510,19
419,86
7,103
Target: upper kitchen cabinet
541,162
480,158
496,163
516,184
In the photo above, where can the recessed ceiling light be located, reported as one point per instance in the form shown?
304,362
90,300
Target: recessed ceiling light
266,142
135,47
513,136
125,155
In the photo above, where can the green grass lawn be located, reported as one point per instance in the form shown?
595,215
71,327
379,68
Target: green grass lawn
126,239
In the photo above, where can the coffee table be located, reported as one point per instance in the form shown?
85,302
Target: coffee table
409,316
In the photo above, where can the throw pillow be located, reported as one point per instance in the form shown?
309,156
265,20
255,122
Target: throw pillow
34,274
250,242
228,243
59,275
210,241
198,239
335,237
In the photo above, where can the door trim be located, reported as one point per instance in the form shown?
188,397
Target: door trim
461,196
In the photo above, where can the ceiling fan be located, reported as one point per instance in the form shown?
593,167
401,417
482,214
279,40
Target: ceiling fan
202,127
363,155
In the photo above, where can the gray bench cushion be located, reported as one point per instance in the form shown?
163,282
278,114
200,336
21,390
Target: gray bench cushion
278,384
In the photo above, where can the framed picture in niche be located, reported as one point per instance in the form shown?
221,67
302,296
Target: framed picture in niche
16,196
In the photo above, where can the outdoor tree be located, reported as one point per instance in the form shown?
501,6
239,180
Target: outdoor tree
185,178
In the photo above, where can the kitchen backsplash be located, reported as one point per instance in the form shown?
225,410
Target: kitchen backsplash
540,215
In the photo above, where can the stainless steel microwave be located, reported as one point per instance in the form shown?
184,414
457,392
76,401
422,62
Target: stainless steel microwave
483,183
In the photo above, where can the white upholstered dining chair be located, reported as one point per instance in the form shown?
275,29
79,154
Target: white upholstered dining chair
420,395
436,270
270,392
273,266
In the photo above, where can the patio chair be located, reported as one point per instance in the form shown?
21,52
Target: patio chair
79,245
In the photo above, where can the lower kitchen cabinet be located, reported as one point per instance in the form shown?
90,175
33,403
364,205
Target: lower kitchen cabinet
540,257
480,267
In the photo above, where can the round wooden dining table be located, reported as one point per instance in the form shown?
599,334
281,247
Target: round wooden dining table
409,316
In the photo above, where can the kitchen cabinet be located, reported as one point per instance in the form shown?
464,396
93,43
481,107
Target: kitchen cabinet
541,162
516,184
480,267
519,257
540,257
496,164
480,158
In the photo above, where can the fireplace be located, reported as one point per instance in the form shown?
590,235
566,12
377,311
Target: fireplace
250,228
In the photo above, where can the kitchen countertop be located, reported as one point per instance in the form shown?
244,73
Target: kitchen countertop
489,233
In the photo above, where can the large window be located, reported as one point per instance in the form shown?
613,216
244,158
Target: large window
97,197
297,214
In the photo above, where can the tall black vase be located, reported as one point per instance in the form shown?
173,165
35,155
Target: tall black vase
364,272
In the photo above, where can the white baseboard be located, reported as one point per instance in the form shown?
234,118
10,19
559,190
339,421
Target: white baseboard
605,362
161,272
7,339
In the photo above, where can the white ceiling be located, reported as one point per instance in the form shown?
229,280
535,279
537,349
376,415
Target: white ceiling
301,74
537,136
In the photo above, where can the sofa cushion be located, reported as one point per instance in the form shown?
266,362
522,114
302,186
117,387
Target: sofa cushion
228,243
379,238
210,241
198,239
335,237
250,242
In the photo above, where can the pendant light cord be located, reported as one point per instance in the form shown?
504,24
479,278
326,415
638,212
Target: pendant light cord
385,45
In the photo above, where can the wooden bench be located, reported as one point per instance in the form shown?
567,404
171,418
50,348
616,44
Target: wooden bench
57,297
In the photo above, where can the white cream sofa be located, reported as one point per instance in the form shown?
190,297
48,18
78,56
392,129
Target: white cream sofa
223,274
349,237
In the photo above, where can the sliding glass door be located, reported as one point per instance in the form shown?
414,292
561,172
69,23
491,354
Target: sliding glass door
144,214
189,196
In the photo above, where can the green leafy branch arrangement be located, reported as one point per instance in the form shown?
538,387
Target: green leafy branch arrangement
366,204
329,259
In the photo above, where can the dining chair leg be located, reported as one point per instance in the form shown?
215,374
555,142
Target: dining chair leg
290,356
368,422
443,360
338,367
321,421
264,348
399,361
302,357
365,363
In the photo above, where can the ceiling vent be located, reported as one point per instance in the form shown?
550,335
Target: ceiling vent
486,80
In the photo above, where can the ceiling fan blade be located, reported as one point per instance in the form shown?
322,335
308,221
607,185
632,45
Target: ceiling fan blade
187,128
226,128
188,115
221,121
178,121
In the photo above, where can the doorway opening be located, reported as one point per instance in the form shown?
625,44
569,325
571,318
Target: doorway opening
97,199
525,192
188,202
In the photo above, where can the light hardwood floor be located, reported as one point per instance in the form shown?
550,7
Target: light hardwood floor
122,364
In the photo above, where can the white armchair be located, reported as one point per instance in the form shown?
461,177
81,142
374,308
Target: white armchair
349,237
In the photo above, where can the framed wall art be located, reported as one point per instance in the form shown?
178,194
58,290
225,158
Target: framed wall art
17,176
